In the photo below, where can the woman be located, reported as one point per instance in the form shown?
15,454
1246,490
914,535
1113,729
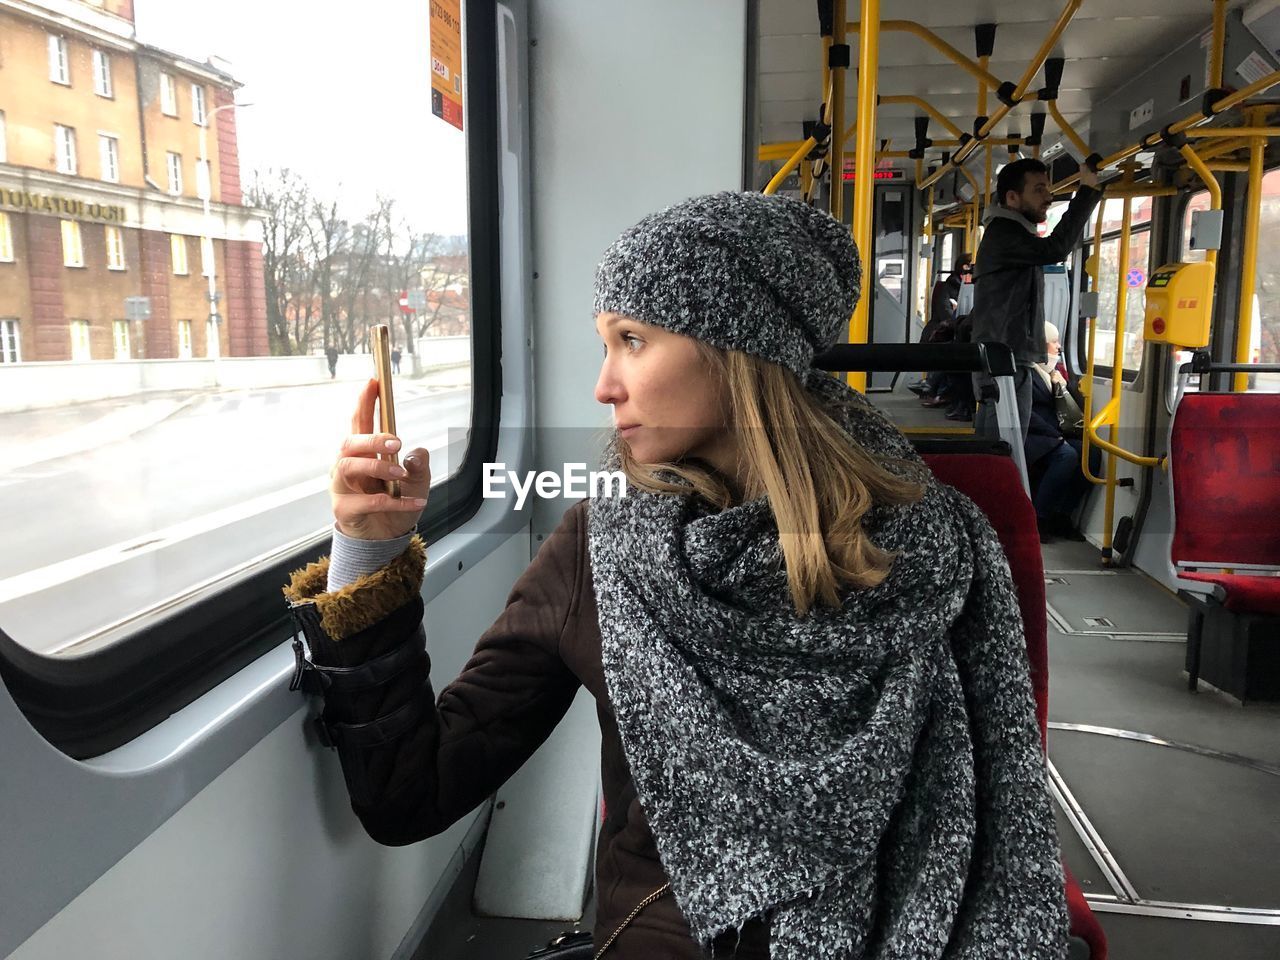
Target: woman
817,726
1054,459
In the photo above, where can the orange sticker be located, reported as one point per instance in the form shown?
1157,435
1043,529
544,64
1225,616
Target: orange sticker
446,60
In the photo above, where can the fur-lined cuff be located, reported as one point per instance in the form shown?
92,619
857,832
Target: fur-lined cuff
359,605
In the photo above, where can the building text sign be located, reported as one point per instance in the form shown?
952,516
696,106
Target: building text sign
60,206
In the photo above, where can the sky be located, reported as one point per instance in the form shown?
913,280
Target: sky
341,93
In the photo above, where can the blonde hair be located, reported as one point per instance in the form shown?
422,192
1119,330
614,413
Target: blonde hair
819,481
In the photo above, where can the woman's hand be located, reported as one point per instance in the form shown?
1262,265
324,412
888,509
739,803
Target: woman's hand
1058,379
358,481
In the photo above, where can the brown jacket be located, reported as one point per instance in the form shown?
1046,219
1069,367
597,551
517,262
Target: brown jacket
429,761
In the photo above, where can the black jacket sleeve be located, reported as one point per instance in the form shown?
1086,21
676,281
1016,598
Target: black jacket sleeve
414,764
1020,248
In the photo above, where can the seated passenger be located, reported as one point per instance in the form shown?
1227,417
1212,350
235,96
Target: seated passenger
818,733
1053,458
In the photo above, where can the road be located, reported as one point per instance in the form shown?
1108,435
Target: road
98,535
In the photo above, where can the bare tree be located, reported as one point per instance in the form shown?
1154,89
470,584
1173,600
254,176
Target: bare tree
285,199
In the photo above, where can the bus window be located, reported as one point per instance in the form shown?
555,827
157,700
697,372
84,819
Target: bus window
1111,212
315,201
1265,341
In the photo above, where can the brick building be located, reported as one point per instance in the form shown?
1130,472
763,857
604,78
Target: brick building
102,189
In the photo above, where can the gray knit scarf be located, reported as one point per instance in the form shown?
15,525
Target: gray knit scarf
868,779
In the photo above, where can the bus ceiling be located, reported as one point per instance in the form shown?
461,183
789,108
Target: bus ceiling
1047,80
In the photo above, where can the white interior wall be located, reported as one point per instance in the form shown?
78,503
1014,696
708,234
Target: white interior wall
635,106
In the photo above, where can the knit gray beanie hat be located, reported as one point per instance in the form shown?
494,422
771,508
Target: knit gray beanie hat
762,274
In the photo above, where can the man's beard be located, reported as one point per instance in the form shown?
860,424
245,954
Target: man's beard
1034,214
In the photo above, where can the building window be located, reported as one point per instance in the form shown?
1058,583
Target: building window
64,144
115,248
197,104
109,157
59,65
72,244
206,257
6,238
168,95
184,339
102,74
204,188
178,254
81,347
120,337
175,173
10,344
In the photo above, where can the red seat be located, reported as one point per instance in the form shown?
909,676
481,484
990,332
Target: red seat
1224,465
993,483
1224,462
1242,594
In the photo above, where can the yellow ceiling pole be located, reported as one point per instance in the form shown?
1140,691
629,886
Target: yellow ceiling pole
1249,262
1218,48
864,175
835,114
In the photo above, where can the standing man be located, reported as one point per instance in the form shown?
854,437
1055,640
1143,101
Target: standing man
1008,303
331,354
395,360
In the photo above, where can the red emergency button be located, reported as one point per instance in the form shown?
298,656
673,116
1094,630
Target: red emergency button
1157,325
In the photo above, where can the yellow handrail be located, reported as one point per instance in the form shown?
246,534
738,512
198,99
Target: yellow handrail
864,184
1019,93
1182,126
927,107
1219,132
1086,385
1068,130
790,165
935,41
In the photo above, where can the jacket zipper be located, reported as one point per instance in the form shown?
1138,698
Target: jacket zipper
656,895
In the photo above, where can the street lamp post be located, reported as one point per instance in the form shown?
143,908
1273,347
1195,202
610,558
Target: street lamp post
204,183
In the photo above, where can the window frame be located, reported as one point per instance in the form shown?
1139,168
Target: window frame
65,150
117,261
199,104
93,703
85,342
10,332
117,327
168,94
173,166
1103,370
72,243
102,82
109,150
185,349
179,242
6,237
59,60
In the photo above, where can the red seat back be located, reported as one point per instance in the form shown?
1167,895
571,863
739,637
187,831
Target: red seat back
1224,458
993,483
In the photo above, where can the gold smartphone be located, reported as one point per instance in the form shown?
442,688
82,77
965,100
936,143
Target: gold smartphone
380,342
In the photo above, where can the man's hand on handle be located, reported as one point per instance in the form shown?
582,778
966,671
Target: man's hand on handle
361,505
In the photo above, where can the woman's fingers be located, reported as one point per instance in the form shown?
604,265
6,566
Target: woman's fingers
369,445
364,474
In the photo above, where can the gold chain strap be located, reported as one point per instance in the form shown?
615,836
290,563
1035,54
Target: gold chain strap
656,895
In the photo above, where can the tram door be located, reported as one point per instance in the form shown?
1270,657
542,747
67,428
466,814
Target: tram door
888,275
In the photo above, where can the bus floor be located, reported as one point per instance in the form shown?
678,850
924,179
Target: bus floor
1174,797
